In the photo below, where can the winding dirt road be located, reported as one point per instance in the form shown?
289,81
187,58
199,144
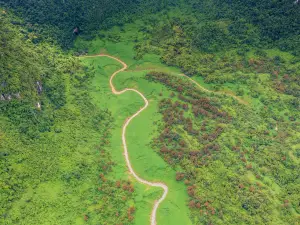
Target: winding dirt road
128,120
153,184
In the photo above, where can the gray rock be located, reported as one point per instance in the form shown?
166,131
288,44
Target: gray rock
38,105
39,87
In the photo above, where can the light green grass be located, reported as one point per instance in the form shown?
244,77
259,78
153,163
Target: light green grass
146,162
149,164
175,211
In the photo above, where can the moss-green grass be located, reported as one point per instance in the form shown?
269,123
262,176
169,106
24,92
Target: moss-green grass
146,162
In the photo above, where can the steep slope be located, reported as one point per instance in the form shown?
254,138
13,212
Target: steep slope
58,19
55,167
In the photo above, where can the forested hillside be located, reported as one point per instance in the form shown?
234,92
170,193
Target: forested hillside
231,157
58,19
218,51
32,77
276,22
221,131
53,154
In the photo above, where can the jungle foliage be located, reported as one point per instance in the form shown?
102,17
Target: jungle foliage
240,163
220,51
234,160
58,19
274,22
225,149
55,166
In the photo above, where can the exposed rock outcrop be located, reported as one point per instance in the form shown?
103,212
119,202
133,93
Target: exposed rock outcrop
8,97
38,105
39,87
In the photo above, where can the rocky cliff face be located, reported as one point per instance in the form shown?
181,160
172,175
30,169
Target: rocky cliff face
10,96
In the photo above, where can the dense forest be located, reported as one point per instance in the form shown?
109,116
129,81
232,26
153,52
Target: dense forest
274,23
235,148
223,154
51,146
57,19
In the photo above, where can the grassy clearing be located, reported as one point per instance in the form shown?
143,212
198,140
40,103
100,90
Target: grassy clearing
140,132
148,163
